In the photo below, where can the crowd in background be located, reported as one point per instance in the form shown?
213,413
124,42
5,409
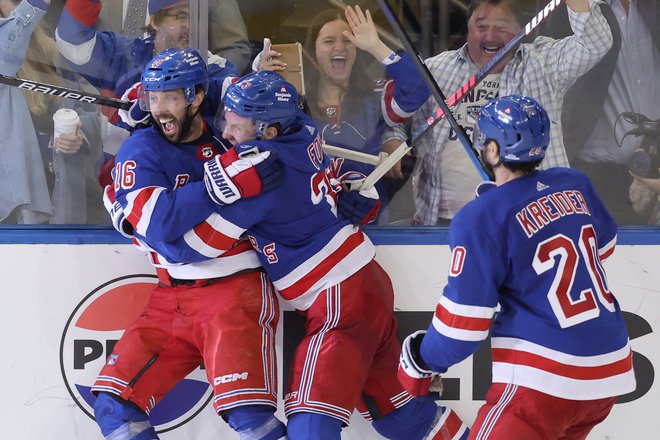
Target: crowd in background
600,87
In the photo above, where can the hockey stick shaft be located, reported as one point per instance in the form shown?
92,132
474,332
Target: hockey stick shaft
385,166
63,92
433,87
473,81
356,156
501,54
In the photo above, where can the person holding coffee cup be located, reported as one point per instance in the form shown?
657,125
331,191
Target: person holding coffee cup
26,200
67,136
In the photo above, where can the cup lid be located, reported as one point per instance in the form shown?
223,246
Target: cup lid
66,116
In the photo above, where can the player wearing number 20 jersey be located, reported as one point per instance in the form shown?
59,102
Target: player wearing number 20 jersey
534,243
535,246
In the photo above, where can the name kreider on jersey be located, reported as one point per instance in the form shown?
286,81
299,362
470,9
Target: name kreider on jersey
548,208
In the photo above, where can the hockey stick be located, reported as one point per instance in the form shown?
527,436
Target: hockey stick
475,79
469,85
433,87
357,156
63,92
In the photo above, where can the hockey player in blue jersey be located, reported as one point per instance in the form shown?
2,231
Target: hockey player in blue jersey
323,266
534,243
222,311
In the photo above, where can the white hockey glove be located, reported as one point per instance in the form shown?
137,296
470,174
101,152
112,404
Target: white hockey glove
134,116
116,213
413,374
229,177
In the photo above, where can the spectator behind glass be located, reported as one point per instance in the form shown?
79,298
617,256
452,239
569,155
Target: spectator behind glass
645,192
226,28
70,160
24,198
626,80
350,107
543,69
113,63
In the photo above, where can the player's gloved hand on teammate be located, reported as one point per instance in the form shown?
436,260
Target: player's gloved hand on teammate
229,177
413,374
116,213
359,207
134,116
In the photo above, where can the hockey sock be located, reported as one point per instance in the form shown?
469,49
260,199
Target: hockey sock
309,426
122,420
410,422
255,422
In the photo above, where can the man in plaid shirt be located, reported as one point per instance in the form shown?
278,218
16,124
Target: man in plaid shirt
543,69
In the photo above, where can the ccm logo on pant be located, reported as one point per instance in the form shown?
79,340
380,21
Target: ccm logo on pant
227,378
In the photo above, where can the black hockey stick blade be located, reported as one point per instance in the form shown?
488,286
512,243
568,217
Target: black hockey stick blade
433,87
63,92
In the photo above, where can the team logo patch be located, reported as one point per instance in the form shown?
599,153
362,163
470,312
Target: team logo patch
206,151
88,339
113,359
472,112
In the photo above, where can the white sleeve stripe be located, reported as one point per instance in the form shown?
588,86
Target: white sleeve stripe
76,53
196,243
458,334
467,311
224,226
147,209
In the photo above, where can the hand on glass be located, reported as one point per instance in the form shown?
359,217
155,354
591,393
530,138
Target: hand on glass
364,35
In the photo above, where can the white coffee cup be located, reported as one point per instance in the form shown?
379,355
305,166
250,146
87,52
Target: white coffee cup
66,122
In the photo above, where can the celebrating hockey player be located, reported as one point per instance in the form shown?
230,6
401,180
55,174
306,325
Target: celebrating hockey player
534,243
223,311
323,266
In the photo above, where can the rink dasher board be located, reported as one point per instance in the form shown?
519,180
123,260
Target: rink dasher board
48,275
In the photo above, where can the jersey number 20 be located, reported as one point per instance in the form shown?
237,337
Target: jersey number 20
562,252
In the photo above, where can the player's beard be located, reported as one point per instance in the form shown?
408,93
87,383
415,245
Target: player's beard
181,127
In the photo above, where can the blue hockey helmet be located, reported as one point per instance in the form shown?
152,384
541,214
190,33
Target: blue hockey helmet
264,97
176,69
518,124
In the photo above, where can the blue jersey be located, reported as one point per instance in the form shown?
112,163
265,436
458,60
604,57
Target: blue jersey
160,186
114,62
361,127
301,241
535,245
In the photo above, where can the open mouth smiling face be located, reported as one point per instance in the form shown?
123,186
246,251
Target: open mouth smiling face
335,54
168,109
489,29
